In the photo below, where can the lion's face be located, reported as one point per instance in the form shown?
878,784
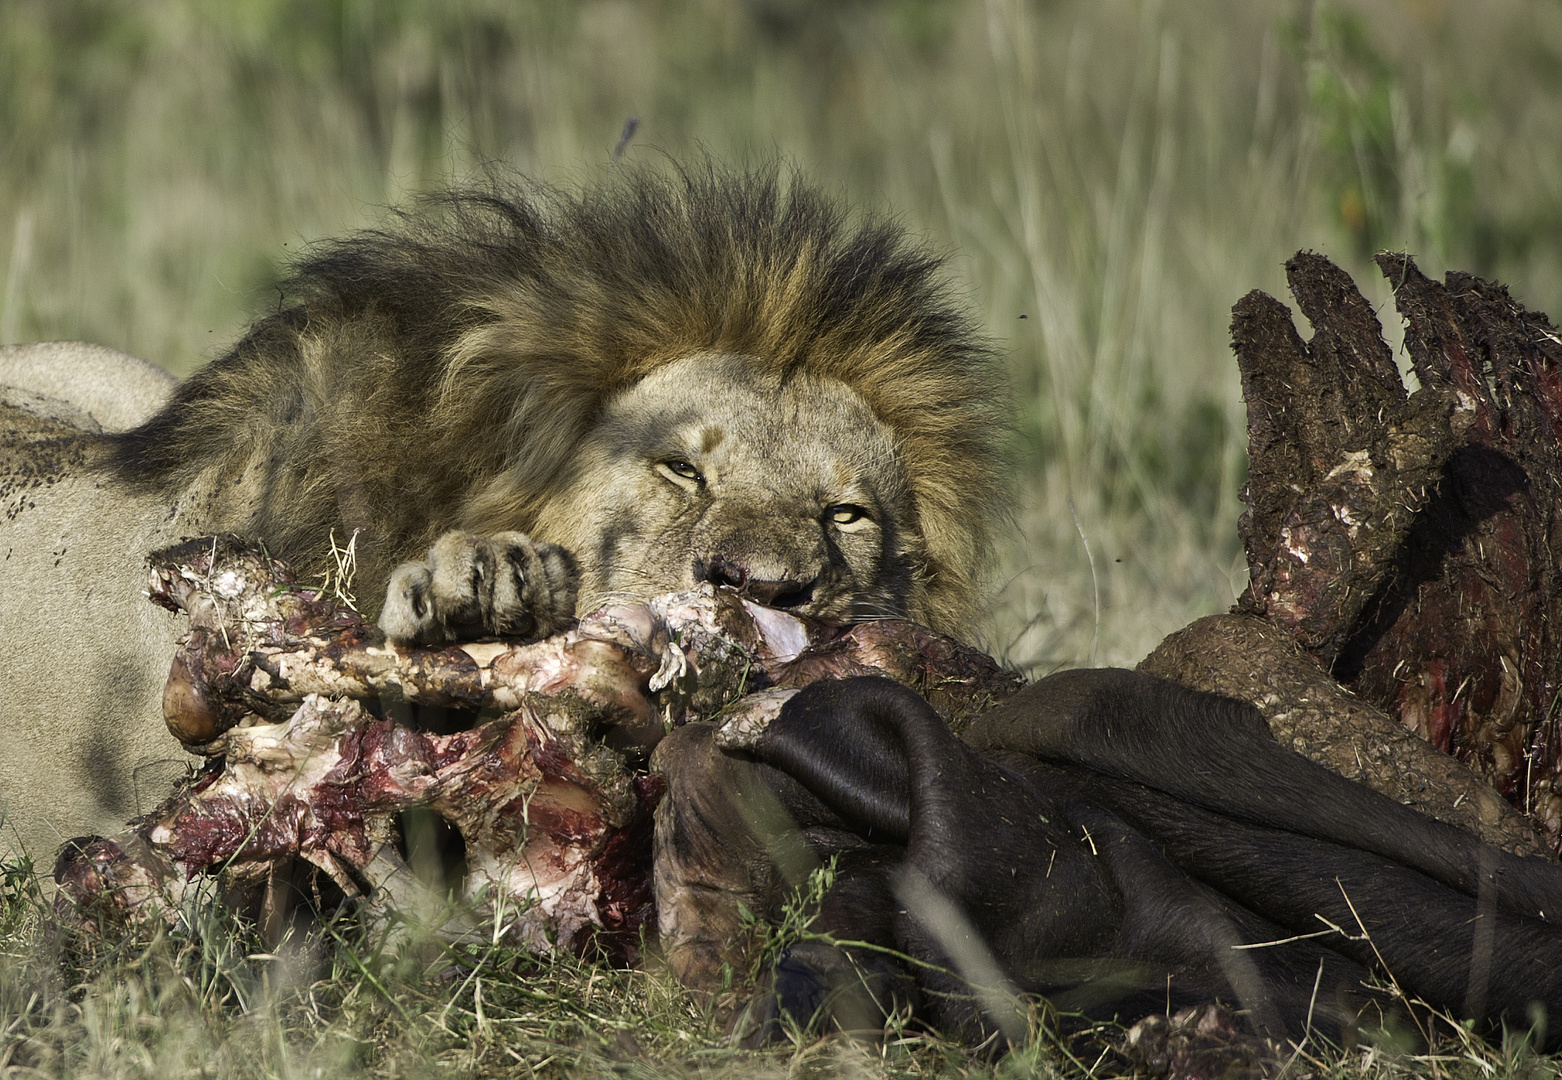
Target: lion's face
704,471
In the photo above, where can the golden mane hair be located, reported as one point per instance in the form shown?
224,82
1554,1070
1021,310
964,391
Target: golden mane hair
437,373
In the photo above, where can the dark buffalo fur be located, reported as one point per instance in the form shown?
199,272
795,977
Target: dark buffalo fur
1110,837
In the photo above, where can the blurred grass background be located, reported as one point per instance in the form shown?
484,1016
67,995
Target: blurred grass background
1109,175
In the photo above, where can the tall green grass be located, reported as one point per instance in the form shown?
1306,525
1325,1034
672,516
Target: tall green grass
1108,176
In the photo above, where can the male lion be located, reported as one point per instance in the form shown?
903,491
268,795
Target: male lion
559,398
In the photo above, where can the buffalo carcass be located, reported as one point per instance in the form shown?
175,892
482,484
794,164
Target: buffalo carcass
1109,840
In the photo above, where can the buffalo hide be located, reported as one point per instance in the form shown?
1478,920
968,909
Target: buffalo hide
1123,846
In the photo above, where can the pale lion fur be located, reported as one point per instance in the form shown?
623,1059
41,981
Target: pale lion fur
443,373
89,386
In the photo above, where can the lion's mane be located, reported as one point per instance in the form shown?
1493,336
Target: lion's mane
438,373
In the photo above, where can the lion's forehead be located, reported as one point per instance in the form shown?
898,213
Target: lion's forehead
830,451
733,422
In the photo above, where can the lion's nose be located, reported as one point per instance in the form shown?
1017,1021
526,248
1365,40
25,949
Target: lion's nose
776,592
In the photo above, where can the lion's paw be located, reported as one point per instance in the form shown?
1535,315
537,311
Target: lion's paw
503,585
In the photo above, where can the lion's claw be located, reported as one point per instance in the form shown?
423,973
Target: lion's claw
504,585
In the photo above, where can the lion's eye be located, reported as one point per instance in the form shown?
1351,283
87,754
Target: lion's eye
683,470
846,515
